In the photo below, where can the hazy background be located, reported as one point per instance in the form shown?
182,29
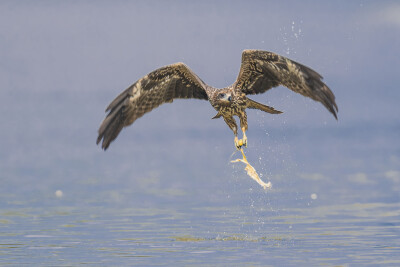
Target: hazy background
62,62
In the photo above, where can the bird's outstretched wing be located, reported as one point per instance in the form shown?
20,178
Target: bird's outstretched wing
262,70
160,86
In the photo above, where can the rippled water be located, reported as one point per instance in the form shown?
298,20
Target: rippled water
335,207
250,231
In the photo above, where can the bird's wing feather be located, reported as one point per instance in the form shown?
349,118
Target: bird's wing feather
160,86
263,70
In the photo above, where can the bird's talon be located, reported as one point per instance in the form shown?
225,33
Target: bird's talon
238,143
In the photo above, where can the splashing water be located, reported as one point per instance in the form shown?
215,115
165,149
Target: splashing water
290,38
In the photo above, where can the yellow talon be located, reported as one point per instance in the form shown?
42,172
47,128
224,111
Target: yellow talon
240,143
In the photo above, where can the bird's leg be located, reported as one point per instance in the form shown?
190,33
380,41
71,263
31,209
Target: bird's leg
243,125
237,145
244,137
232,124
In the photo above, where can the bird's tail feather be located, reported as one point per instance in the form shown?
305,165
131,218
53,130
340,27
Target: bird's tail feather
255,105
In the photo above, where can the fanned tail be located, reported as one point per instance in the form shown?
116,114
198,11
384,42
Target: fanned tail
255,105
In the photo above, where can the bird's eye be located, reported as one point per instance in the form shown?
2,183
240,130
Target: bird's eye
221,95
230,98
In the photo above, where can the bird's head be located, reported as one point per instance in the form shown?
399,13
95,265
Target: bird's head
223,98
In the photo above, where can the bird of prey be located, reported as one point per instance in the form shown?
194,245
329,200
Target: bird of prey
259,72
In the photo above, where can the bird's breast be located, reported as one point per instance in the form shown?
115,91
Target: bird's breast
230,111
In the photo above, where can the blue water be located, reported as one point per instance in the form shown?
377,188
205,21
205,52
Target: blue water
322,209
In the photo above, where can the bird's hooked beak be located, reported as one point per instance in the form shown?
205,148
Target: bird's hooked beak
225,97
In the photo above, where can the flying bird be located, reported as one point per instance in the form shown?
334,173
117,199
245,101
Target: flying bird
259,72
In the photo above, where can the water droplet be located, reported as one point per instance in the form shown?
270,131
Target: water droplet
59,193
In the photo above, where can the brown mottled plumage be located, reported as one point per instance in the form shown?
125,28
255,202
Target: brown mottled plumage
259,72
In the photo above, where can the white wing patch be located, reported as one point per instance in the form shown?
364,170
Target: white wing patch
136,92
